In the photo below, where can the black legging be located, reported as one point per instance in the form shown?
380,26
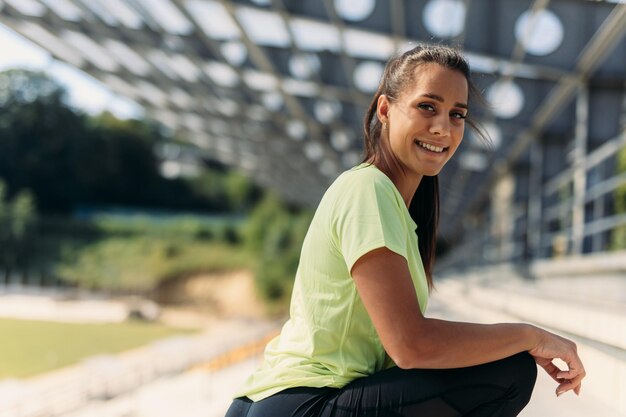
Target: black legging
495,389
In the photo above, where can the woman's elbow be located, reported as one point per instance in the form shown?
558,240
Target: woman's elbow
413,358
403,363
411,345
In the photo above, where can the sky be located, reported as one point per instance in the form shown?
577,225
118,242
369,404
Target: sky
84,92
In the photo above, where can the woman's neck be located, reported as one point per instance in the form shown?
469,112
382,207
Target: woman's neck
405,182
407,187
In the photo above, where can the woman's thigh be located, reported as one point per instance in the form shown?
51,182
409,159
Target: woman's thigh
293,402
500,388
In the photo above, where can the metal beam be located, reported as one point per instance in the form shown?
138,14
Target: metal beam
264,64
596,50
580,173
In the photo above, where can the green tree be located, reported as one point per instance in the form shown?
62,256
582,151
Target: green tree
241,193
17,222
68,159
36,130
23,87
275,233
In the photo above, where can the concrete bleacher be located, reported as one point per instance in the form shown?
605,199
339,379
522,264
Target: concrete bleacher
197,375
70,305
566,297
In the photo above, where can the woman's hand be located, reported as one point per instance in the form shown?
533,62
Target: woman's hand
550,347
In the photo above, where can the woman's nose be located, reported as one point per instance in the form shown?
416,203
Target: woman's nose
440,126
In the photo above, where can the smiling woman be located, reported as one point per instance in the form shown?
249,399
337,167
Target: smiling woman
432,121
357,342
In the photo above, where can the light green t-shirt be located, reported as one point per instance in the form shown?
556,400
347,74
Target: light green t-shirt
329,339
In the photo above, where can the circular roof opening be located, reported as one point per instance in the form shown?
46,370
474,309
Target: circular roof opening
444,18
313,151
506,98
340,140
494,134
540,33
227,107
273,100
303,66
296,129
367,76
473,161
354,10
235,52
222,74
327,110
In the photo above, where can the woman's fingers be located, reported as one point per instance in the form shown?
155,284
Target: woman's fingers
552,346
571,379
552,370
577,389
571,373
569,384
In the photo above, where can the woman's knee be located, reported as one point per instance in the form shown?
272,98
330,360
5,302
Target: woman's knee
527,367
523,371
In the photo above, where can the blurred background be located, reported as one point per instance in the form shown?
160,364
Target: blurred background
160,161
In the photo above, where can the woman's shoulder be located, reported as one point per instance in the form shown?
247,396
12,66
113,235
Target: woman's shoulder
363,175
363,185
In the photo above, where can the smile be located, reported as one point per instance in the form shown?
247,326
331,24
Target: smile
430,147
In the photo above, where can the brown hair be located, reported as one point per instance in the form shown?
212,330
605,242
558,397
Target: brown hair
398,74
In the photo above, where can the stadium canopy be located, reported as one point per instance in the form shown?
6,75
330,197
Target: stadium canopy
279,88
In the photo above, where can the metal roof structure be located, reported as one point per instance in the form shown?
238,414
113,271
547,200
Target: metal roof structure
279,88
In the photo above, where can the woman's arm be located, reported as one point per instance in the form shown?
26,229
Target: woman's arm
384,283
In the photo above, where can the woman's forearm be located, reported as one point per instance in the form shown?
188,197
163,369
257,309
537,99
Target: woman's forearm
447,344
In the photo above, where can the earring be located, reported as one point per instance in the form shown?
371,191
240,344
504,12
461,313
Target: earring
384,126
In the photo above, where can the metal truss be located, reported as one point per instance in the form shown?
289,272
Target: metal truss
270,87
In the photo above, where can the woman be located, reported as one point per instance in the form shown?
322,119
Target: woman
357,342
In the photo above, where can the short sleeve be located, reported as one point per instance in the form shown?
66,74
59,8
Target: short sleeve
369,215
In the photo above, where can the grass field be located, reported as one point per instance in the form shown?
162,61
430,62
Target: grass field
28,348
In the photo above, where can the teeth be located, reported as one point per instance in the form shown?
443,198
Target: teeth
430,147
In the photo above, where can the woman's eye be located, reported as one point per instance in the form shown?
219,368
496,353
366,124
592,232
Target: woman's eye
426,106
458,115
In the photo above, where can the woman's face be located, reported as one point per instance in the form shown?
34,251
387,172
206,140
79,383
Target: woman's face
426,123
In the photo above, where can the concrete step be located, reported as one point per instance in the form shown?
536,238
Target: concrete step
589,319
605,362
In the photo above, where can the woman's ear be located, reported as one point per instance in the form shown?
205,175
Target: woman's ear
382,108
